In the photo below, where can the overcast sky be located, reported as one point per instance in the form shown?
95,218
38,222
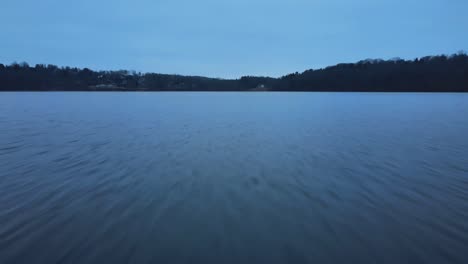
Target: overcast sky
227,38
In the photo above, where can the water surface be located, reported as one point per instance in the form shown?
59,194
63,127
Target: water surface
233,178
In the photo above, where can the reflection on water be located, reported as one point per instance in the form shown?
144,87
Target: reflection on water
233,178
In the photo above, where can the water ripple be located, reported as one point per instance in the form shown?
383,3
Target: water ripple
305,181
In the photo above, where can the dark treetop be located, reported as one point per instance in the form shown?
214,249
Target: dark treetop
428,74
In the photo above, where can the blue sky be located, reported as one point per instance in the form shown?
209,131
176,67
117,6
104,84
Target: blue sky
220,38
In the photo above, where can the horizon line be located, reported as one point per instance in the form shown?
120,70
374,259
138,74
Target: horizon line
371,60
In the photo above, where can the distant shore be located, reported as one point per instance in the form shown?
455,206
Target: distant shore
440,73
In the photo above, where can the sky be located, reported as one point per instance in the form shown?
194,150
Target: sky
227,38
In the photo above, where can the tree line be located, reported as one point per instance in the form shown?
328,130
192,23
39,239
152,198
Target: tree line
428,74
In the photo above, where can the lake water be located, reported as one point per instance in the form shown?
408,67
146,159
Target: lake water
233,178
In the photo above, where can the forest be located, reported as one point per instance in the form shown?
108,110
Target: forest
442,73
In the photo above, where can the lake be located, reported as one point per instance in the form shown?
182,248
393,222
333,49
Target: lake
233,178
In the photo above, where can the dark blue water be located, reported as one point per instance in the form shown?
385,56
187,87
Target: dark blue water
233,178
